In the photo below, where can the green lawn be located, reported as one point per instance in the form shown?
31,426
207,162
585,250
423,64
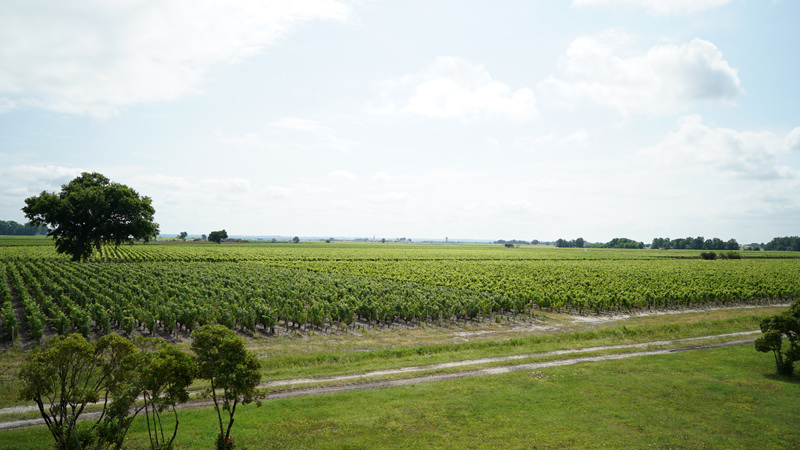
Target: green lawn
712,399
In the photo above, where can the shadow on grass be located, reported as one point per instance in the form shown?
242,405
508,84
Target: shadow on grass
783,378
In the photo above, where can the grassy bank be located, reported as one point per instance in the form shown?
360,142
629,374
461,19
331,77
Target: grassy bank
715,399
312,356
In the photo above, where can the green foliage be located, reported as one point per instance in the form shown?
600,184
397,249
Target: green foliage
696,243
708,255
174,288
624,243
784,244
577,243
224,443
15,229
217,236
67,374
161,375
223,360
776,331
90,211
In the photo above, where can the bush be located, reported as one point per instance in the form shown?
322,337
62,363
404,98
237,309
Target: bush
708,255
778,330
224,443
730,255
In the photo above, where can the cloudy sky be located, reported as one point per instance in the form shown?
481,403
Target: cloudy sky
420,119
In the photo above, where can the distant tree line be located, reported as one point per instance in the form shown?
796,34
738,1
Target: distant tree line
517,242
12,228
784,244
697,243
575,243
623,243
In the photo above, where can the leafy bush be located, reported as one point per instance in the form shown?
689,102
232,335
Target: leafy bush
730,255
708,255
774,329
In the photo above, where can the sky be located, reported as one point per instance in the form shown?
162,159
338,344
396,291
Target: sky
422,119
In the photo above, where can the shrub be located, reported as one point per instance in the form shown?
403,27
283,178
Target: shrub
774,329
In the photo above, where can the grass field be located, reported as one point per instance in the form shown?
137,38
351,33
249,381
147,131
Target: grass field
712,399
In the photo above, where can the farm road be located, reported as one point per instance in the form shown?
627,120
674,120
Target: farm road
320,390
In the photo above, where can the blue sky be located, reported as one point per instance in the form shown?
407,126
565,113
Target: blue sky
419,119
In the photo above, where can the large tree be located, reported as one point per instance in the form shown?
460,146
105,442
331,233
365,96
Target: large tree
90,211
218,236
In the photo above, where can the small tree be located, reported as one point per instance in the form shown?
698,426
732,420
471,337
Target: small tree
182,235
295,240
218,236
90,211
222,358
775,328
161,378
68,373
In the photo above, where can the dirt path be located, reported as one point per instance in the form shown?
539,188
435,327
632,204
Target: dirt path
320,390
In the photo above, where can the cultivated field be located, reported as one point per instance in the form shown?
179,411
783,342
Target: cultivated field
263,288
345,317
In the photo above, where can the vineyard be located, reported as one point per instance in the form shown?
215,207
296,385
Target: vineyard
176,287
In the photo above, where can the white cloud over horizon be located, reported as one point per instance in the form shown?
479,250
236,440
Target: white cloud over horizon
657,7
454,88
742,154
546,120
608,70
92,58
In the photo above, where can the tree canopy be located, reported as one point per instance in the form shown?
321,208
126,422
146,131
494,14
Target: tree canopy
579,243
90,211
218,236
223,360
786,243
696,243
623,243
67,374
775,329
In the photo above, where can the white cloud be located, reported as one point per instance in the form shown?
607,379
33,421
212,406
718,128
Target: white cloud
389,197
19,182
343,176
793,140
93,57
313,134
743,154
454,88
383,177
553,141
225,186
278,192
196,190
658,7
607,70
6,105
250,140
302,125
28,180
